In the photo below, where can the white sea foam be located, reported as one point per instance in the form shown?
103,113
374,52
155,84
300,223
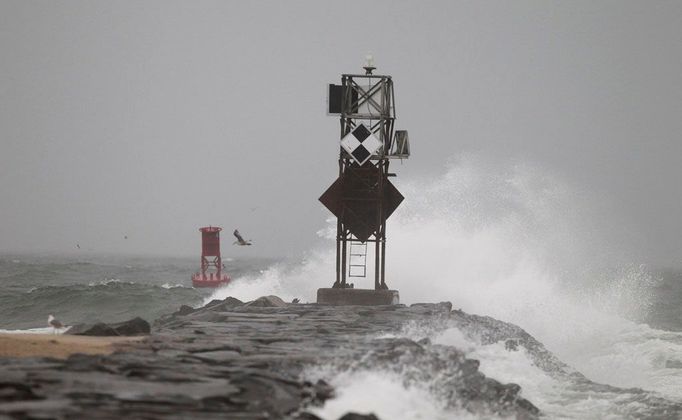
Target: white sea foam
512,242
555,398
107,282
383,394
172,286
281,280
45,330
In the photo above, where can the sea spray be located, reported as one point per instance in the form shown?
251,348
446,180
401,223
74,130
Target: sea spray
383,394
288,281
513,242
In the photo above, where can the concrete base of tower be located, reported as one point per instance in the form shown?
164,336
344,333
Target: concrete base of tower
362,297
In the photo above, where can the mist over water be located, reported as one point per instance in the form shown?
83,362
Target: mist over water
513,242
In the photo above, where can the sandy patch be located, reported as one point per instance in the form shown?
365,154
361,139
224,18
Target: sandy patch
60,346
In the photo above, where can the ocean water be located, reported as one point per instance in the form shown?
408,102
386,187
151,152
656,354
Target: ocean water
88,288
505,240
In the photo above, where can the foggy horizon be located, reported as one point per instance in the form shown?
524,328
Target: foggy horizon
150,120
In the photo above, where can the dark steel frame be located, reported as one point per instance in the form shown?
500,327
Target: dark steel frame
375,95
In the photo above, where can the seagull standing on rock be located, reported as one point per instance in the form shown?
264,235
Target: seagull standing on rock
54,323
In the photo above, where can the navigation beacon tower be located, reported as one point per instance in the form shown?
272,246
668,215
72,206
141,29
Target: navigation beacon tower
362,197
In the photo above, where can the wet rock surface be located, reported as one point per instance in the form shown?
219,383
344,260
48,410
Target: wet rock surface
635,402
133,327
239,360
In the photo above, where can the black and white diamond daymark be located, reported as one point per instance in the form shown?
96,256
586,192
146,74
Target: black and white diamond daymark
361,144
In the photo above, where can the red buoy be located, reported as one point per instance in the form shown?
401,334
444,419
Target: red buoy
211,264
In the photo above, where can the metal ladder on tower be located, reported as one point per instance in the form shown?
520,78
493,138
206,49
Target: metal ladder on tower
357,264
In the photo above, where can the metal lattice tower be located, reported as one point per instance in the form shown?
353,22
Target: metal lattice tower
362,197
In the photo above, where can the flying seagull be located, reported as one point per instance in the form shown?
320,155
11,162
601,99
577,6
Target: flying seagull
240,241
54,323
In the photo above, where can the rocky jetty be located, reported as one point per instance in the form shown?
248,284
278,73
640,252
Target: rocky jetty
239,360
252,360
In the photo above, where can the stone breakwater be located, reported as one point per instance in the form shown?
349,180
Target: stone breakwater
251,360
239,360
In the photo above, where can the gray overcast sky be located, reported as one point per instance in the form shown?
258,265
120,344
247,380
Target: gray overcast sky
153,118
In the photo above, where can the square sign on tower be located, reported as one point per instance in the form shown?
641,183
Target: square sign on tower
361,144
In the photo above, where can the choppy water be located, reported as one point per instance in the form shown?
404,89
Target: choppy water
509,242
86,288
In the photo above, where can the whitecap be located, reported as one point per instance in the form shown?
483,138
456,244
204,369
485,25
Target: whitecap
43,330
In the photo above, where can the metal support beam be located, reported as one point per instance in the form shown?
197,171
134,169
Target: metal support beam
363,198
